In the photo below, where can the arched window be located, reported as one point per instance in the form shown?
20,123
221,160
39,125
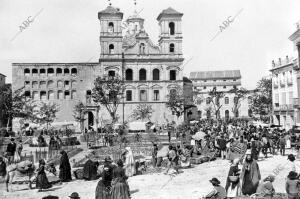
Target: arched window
143,95
43,84
155,74
143,74
67,84
50,84
172,74
50,71
172,48
67,94
74,94
42,71
88,96
66,71
26,71
111,73
35,85
35,95
226,100
142,48
110,27
74,71
60,84
60,95
43,95
58,71
172,28
129,75
50,95
35,71
73,84
129,95
111,48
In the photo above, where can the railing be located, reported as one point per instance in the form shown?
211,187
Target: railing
219,83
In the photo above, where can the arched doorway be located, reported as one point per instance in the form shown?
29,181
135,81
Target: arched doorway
90,119
227,115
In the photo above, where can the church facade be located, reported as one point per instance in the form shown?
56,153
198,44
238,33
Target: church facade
149,71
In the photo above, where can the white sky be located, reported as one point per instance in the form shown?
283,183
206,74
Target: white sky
68,31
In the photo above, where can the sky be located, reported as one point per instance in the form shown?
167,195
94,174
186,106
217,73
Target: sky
68,31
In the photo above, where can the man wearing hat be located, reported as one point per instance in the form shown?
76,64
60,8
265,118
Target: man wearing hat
74,195
218,191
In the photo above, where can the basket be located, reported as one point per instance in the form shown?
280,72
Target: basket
233,178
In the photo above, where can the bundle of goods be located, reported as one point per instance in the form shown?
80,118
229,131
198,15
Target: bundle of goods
237,150
21,172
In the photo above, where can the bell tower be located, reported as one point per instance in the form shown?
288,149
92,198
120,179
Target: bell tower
170,38
110,31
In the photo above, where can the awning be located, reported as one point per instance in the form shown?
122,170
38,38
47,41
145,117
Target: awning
137,126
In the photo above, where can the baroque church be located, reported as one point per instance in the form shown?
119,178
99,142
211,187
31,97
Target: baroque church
150,71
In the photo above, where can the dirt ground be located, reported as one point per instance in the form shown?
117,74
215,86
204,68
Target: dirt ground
190,184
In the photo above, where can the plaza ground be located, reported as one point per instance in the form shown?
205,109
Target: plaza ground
190,184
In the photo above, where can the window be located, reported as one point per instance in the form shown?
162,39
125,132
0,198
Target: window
142,48
50,84
208,114
155,74
110,27
67,95
35,95
290,97
208,100
204,87
128,95
235,100
67,83
88,96
42,71
129,75
199,114
26,71
58,71
156,95
74,94
27,84
172,48
35,85
43,84
143,95
143,74
27,93
234,87
224,86
50,95
74,71
111,73
60,95
35,71
171,28
172,74
74,83
50,71
226,100
88,92
234,80
60,84
66,71
43,95
111,48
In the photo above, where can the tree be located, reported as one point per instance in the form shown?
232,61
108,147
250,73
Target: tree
176,101
79,114
239,95
261,100
15,104
214,99
47,113
142,112
108,91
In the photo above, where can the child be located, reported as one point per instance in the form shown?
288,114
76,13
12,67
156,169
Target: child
292,185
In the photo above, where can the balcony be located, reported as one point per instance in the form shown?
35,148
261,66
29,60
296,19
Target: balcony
218,83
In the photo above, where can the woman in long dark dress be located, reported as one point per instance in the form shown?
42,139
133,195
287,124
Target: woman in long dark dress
233,186
64,168
120,188
104,185
41,179
90,170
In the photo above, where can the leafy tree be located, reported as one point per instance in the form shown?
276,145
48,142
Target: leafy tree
214,99
108,91
239,95
142,112
176,101
47,113
15,104
79,114
261,100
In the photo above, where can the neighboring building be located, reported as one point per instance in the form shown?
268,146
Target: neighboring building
150,72
284,91
2,119
205,81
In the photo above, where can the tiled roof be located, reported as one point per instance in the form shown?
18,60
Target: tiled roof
169,11
110,10
225,74
2,75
